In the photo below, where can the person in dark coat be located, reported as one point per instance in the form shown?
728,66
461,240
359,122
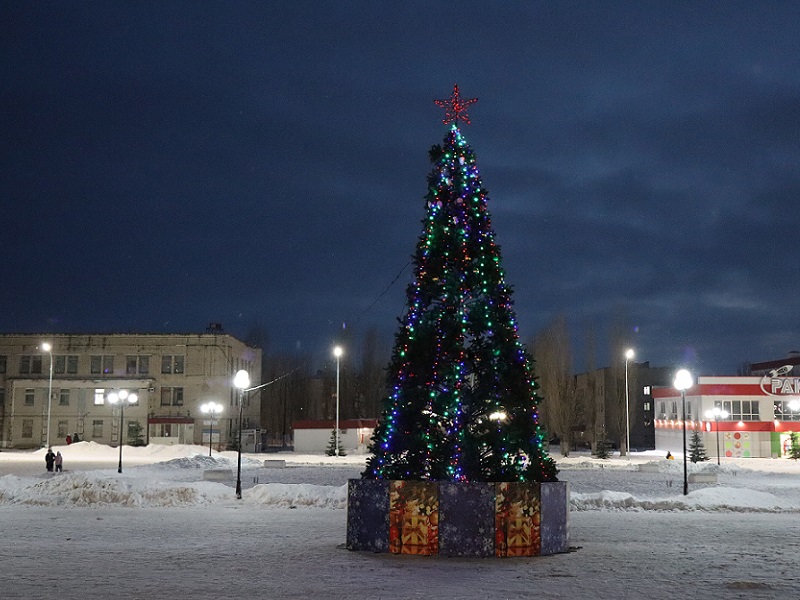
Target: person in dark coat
49,459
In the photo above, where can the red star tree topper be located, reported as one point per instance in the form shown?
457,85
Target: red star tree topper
455,107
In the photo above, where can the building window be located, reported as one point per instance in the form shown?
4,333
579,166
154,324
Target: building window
27,428
99,397
72,364
647,406
97,428
646,390
137,364
172,396
673,413
2,395
783,412
102,364
739,410
25,364
3,363
30,394
63,429
60,364
172,363
63,397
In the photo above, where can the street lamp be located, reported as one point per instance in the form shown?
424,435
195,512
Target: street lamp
47,347
241,381
628,356
122,396
683,381
717,413
337,352
211,409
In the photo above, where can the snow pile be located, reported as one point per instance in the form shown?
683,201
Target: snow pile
95,489
298,494
717,499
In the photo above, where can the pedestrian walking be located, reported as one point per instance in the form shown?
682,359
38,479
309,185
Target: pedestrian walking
59,462
49,460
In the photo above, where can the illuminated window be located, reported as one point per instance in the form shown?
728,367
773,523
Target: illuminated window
739,410
99,397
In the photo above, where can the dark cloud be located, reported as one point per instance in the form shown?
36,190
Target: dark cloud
169,165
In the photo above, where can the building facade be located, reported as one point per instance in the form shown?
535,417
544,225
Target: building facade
172,375
602,393
760,414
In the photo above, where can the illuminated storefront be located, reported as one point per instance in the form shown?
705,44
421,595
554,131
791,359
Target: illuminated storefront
755,415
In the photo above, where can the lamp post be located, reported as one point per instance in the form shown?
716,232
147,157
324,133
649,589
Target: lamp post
47,347
717,413
337,352
122,396
683,381
628,356
211,409
241,381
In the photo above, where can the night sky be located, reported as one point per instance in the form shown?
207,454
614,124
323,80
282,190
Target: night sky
170,164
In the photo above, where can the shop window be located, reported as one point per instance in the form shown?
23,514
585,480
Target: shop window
740,410
784,412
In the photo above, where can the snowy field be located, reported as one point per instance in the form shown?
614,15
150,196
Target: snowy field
158,530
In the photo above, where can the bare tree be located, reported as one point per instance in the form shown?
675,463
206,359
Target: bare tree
371,386
562,411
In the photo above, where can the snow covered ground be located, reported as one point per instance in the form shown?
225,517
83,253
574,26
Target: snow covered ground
159,530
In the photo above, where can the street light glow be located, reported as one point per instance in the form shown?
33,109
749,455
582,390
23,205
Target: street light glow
683,380
629,354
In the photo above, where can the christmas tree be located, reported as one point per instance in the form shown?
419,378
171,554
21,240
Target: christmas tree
794,448
463,402
331,450
697,452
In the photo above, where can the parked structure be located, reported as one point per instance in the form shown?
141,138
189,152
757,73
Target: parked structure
172,374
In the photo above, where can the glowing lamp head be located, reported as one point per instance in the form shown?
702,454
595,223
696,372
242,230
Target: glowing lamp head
683,380
337,351
46,346
242,379
629,354
794,404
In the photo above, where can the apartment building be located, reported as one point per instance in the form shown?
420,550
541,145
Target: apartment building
171,374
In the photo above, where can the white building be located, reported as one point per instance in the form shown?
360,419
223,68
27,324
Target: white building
172,374
314,437
760,414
